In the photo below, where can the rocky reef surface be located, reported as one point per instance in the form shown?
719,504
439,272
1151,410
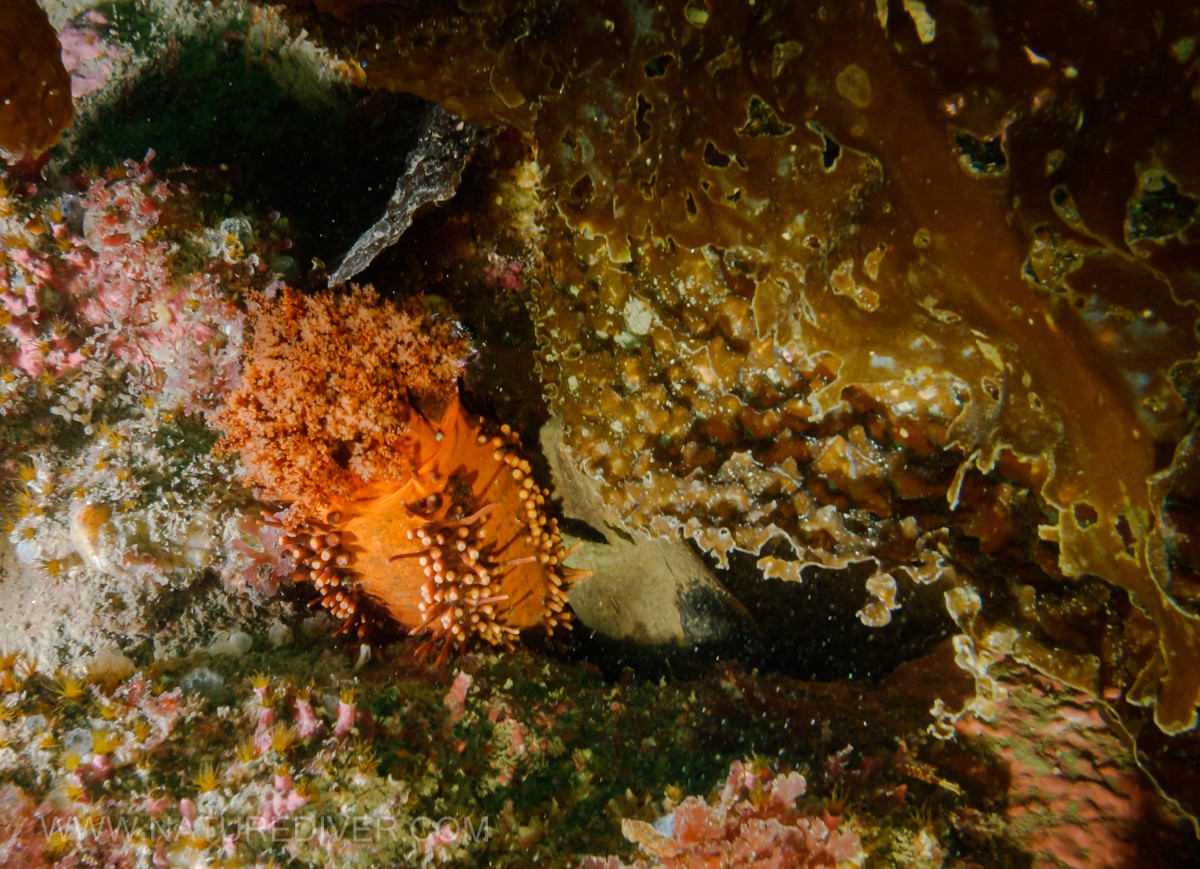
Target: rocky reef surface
850,334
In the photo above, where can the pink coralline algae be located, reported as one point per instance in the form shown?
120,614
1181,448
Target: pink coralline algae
264,560
40,346
456,697
62,815
22,825
120,331
506,275
162,711
100,274
130,291
433,845
90,59
1075,798
754,822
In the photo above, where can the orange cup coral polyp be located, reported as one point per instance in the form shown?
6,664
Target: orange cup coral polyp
447,537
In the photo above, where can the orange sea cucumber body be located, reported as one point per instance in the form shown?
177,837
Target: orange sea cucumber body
461,550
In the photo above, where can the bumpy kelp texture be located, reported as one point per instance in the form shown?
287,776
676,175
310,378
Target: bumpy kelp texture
905,283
